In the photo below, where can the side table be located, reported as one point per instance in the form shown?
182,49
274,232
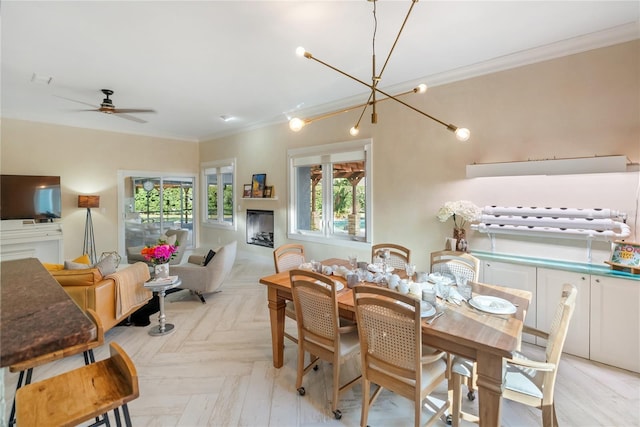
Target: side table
160,286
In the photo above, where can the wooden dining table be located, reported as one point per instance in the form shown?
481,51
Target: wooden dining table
462,330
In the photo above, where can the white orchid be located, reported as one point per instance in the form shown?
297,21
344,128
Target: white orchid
462,211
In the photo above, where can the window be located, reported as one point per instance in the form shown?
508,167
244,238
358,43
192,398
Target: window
330,192
219,178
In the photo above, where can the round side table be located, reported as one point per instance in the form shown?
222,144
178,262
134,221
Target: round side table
161,287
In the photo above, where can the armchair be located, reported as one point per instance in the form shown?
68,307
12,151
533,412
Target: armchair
205,279
134,255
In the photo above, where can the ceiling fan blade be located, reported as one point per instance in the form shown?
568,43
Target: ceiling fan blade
129,117
132,110
75,100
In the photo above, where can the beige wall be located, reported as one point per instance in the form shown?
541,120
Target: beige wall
88,162
582,105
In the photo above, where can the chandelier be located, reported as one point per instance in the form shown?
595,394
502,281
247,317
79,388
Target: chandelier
296,124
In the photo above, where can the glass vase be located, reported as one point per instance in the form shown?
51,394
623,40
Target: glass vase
460,234
161,271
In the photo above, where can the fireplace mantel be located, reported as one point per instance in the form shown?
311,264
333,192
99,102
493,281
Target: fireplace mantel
27,239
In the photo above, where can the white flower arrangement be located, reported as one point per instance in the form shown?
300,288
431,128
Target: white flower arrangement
462,211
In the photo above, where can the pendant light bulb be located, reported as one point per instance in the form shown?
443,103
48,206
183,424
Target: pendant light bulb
422,88
462,134
300,51
296,124
354,131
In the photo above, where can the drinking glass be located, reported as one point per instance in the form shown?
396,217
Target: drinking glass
410,269
464,288
353,261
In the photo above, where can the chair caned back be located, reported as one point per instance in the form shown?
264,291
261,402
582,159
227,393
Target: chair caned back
288,257
399,255
456,264
316,306
390,331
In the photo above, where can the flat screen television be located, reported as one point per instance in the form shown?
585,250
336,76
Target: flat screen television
30,197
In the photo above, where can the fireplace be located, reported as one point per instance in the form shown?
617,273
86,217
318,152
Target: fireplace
260,228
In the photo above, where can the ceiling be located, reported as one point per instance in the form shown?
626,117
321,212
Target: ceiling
193,62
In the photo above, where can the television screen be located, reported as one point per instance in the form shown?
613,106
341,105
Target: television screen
30,197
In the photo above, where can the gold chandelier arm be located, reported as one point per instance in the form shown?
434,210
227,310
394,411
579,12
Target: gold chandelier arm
374,88
406,18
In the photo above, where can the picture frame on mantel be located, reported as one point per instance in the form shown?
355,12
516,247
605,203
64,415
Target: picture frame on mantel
246,192
258,182
268,191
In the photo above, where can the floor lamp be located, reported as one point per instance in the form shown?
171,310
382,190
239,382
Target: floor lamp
89,246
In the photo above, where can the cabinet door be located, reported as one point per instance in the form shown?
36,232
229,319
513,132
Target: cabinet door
514,276
550,284
615,322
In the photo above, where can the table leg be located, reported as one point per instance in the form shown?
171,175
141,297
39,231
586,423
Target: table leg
276,315
163,327
489,388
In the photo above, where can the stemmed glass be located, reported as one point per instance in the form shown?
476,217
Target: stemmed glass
384,255
410,269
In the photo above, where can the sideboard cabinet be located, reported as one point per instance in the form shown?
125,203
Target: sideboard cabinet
606,323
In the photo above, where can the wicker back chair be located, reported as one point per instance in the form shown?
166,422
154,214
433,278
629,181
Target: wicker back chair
399,254
527,381
287,257
393,356
456,264
319,331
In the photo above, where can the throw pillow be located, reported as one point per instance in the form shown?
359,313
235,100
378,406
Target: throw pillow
70,265
107,265
209,257
84,259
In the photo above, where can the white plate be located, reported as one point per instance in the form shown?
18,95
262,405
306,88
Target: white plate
339,284
427,310
376,269
437,278
492,305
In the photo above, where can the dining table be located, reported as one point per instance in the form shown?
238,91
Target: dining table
463,330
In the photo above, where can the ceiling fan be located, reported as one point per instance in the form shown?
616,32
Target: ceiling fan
108,107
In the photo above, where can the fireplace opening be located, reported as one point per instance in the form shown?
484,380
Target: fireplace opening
260,228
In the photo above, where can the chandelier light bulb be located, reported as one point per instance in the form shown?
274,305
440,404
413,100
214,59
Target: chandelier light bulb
422,88
354,131
300,51
462,134
296,124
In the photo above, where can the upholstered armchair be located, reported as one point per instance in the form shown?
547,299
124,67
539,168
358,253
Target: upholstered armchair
182,236
206,279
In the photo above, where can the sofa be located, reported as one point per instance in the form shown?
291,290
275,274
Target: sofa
113,297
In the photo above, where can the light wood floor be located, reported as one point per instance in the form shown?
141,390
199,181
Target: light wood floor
216,370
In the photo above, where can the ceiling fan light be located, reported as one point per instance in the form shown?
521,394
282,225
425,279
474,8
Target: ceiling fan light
296,124
354,131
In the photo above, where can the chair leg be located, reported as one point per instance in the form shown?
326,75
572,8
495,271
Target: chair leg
366,389
548,416
201,297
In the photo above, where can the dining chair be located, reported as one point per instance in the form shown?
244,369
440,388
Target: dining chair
26,367
467,266
529,381
319,331
76,396
393,357
285,258
399,254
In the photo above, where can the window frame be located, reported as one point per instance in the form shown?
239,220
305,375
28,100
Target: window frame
326,234
218,165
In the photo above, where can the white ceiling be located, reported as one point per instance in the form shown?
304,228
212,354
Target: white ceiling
195,61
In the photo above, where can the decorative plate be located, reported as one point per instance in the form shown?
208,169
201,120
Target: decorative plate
492,304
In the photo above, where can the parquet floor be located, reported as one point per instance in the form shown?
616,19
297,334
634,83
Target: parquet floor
216,370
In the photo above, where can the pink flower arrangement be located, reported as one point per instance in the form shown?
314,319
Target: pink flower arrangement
160,253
